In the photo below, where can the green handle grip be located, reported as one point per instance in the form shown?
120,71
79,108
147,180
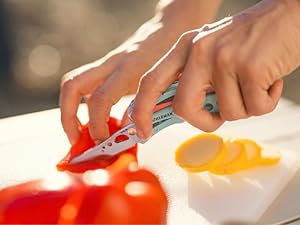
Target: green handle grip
166,117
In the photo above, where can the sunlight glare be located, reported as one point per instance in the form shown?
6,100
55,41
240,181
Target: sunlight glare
97,177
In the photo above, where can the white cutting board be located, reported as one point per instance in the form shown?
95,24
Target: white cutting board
32,144
204,198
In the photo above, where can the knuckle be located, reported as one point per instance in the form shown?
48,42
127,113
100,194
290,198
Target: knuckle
149,81
66,77
248,70
206,27
93,126
258,108
233,115
132,59
180,109
100,96
67,84
270,108
223,57
200,45
253,111
209,129
251,68
188,36
200,49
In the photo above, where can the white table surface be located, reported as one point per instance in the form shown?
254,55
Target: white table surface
19,162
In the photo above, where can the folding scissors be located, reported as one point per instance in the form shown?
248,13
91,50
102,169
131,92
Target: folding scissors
163,116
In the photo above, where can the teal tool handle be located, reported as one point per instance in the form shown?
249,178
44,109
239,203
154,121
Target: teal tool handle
166,117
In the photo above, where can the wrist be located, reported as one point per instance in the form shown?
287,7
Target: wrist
292,4
174,17
186,15
292,7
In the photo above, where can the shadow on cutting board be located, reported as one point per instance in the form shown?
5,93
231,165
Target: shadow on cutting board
240,197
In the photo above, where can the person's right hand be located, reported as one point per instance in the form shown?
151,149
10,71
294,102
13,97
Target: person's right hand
241,58
104,82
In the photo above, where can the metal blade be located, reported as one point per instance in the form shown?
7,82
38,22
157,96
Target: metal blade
111,146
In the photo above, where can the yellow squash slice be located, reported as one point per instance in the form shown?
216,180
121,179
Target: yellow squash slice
209,152
232,160
199,152
252,151
269,156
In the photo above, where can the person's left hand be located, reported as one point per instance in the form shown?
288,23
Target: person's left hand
242,59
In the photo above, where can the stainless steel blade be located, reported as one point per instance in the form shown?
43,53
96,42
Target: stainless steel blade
110,146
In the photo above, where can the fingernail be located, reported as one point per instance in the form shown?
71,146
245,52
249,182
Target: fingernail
97,142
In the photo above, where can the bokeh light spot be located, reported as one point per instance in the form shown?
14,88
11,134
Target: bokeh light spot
44,60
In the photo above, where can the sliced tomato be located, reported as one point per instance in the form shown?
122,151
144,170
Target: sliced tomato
85,142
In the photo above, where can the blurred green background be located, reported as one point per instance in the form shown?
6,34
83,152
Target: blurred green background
43,39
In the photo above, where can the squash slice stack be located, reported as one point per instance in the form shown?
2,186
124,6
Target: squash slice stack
210,152
189,157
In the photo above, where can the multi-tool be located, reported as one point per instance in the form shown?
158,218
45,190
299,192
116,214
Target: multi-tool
163,116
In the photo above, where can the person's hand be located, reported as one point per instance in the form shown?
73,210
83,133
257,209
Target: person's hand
105,81
242,59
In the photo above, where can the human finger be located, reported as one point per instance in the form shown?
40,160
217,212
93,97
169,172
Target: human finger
259,101
195,81
156,81
75,85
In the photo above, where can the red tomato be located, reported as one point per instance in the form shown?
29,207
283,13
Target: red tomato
84,143
131,196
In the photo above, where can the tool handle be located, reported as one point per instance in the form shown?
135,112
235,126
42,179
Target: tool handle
168,95
166,117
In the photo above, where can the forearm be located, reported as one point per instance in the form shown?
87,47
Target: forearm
178,16
271,16
186,14
293,8
172,18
